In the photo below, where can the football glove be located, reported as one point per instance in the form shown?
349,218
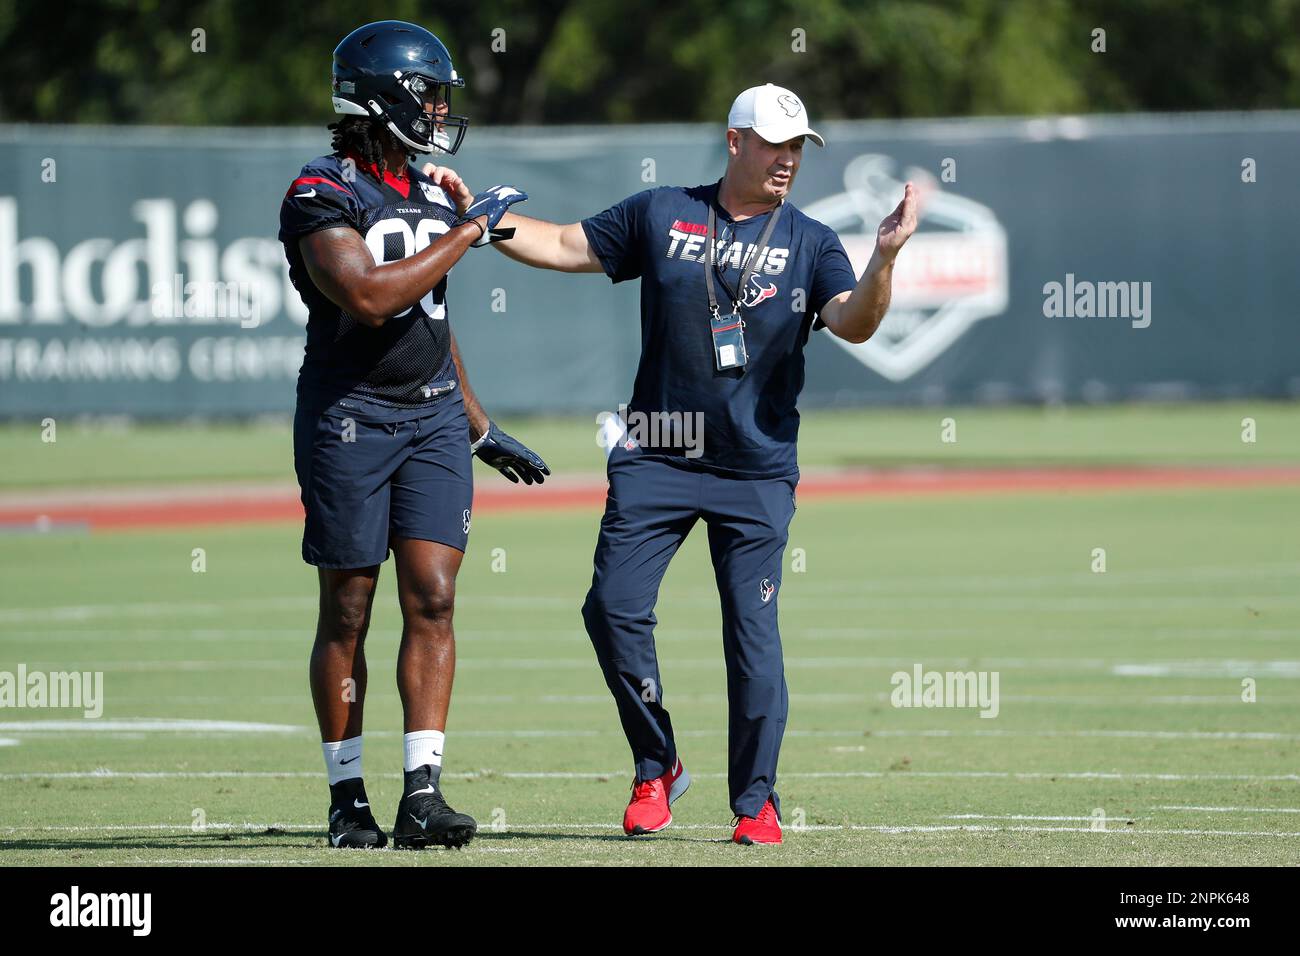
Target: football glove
493,203
510,457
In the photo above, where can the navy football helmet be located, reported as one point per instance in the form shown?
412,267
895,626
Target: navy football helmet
388,71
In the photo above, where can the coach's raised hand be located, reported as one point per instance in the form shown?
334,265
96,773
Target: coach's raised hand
896,228
449,181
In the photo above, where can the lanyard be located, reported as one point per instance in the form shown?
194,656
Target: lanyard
750,265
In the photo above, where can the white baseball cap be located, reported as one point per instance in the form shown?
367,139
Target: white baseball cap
772,112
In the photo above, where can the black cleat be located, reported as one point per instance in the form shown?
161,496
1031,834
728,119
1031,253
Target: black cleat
352,825
424,819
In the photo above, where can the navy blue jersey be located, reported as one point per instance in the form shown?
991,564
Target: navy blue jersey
379,374
749,415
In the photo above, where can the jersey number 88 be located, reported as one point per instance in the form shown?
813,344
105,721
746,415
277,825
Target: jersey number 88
413,241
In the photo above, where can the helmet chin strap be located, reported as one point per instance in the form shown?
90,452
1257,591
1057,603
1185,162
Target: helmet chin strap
417,147
440,140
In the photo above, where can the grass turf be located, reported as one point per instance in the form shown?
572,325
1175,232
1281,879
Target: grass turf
1120,692
97,454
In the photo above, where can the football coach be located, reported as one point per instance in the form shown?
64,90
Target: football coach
733,280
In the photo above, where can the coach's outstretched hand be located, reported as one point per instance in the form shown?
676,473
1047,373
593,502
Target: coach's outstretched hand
510,457
896,228
493,204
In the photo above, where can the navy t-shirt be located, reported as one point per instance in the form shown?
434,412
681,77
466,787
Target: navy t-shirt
750,423
376,375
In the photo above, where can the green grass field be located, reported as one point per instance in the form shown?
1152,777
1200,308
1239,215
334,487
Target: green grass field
999,437
1121,692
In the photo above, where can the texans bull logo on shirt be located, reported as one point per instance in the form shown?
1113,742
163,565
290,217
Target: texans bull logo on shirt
660,236
688,241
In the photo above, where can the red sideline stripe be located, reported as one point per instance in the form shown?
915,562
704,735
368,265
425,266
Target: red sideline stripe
158,515
497,499
312,181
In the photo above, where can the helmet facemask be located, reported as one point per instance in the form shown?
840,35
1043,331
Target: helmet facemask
408,118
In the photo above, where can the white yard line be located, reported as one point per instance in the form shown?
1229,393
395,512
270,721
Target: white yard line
1136,734
1209,668
131,727
147,725
790,632
1114,831
619,775
1203,667
1026,816
1234,809
257,829
830,586
922,602
202,861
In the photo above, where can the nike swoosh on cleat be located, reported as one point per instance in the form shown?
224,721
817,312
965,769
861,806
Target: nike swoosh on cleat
359,805
428,789
421,823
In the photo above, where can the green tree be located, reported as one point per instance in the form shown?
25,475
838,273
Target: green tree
598,61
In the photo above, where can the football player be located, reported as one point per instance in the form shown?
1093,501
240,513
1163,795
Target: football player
386,421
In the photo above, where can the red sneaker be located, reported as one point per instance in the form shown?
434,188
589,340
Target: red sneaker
764,828
648,811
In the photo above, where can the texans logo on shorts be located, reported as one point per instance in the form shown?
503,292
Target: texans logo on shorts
766,589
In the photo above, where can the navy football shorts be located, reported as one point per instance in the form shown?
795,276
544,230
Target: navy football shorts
364,483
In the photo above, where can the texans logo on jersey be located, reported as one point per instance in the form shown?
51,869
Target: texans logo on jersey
757,291
434,194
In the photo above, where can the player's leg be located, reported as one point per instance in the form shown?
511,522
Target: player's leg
432,493
748,528
426,659
338,660
650,509
342,469
338,689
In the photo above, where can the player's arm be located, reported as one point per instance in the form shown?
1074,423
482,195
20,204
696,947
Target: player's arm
341,266
536,242
855,316
478,419
489,443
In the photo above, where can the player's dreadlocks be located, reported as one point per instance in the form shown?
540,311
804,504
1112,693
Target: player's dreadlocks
362,137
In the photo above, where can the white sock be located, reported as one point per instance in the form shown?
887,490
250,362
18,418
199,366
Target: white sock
423,747
342,759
